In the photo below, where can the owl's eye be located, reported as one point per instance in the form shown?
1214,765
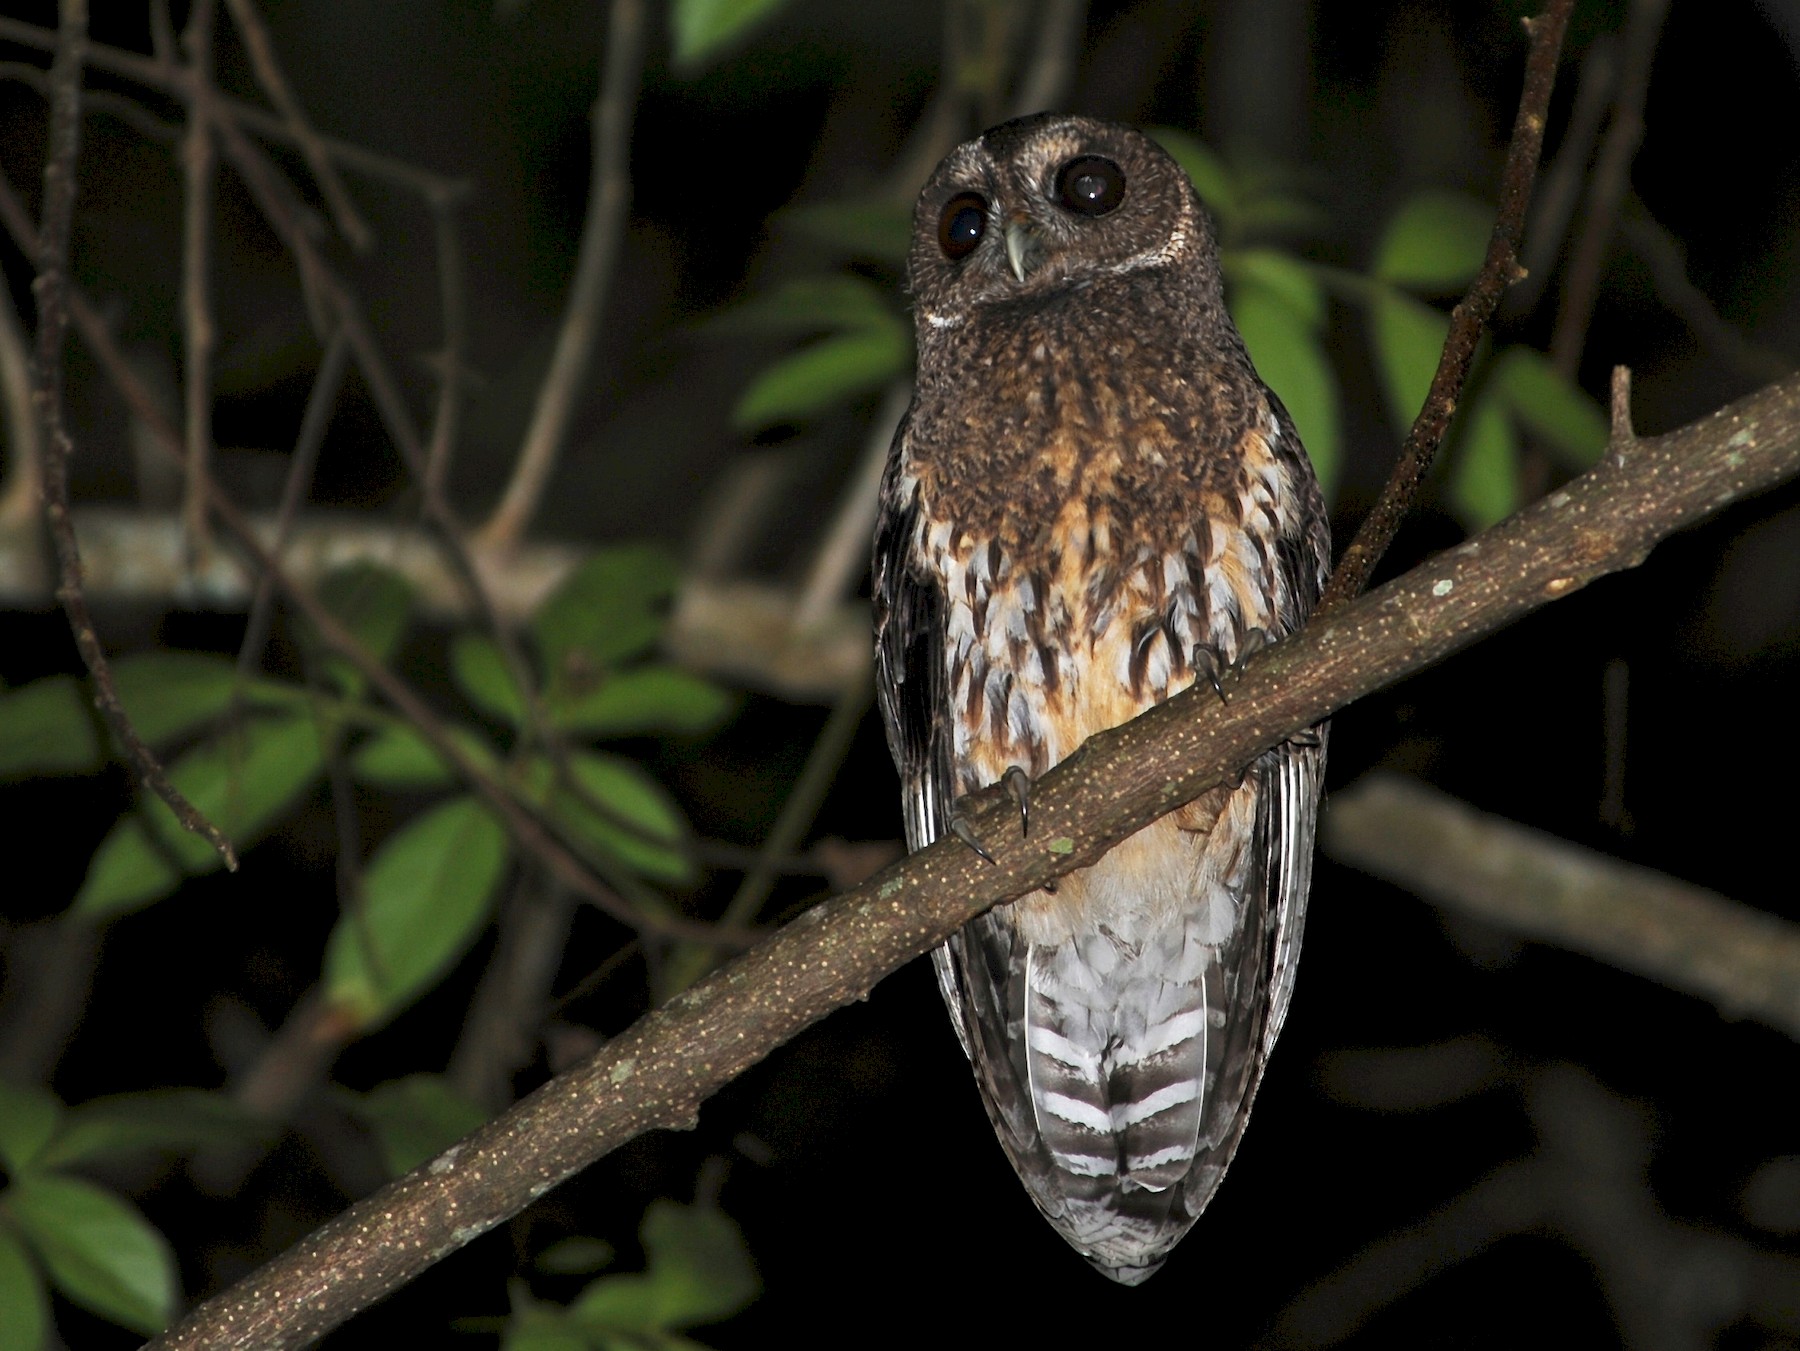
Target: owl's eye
962,225
1090,186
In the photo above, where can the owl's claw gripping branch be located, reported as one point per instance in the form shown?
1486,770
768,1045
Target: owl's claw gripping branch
960,827
1206,661
1206,666
1018,788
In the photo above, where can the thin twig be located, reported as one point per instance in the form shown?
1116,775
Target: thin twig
129,111
823,761
510,1002
527,830
842,558
452,301
51,292
199,166
320,404
161,72
609,193
1608,185
1045,82
261,50
1498,271
657,1073
1662,253
336,309
23,499
1559,182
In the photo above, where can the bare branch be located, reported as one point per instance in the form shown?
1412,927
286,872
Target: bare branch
157,72
842,558
199,166
268,74
22,499
1608,185
1745,962
609,192
307,443
1498,271
51,291
1044,83
657,1073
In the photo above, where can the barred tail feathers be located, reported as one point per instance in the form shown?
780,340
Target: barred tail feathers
1117,1060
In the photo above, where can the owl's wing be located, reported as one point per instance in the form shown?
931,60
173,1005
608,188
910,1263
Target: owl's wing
909,657
1288,809
976,967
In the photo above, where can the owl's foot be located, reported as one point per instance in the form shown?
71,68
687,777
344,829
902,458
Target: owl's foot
960,827
1018,788
1221,677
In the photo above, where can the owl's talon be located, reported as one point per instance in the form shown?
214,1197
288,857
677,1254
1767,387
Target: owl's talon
1018,788
960,827
1221,678
1206,665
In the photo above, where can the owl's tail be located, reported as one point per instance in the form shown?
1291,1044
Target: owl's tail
1117,1069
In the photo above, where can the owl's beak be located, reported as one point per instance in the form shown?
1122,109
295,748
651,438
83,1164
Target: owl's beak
1024,248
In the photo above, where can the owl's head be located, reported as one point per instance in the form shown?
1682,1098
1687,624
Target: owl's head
1045,203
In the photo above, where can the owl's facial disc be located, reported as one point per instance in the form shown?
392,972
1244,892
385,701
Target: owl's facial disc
1050,204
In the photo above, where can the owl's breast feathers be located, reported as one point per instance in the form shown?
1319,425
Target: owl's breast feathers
1071,510
1090,521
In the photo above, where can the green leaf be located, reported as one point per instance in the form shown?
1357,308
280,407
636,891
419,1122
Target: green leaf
638,813
1211,176
24,1303
1436,241
543,1328
644,701
576,1255
880,231
1285,275
808,305
98,1250
399,758
425,897
703,26
242,780
481,673
1289,356
1409,338
1484,477
699,1272
415,1119
1551,406
174,1120
823,375
170,694
374,603
1276,213
47,727
28,1120
609,609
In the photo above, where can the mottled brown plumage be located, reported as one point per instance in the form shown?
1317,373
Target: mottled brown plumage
1093,501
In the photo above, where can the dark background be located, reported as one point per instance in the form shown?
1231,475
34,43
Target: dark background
857,1159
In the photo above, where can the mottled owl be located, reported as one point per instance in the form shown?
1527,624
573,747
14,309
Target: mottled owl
1092,502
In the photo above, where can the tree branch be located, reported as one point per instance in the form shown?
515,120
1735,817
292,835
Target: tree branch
609,193
51,290
1743,961
656,1074
1499,270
